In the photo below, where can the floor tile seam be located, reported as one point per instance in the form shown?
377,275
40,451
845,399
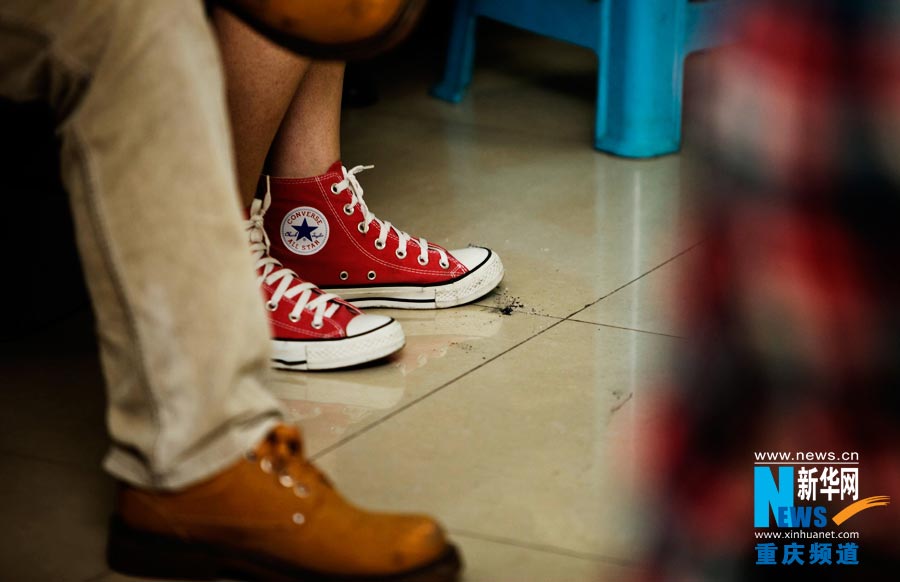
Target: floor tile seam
626,328
544,548
351,437
519,310
635,280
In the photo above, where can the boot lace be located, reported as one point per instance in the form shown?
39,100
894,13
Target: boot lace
281,454
384,227
285,282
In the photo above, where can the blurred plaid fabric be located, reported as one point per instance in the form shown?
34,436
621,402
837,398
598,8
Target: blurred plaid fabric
793,311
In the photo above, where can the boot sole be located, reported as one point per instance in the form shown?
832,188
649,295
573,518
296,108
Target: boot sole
146,555
328,354
466,288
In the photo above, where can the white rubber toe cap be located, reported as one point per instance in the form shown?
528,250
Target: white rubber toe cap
365,323
471,257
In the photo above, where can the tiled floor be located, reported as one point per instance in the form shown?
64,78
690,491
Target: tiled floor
514,420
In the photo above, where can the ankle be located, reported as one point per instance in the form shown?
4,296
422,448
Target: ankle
299,167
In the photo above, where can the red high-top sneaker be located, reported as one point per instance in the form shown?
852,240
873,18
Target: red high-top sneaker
311,329
322,228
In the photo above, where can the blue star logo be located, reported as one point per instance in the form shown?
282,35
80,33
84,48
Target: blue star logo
305,230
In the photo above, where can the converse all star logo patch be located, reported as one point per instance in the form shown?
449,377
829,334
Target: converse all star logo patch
304,230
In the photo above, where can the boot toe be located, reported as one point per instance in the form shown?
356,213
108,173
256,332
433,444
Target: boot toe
422,543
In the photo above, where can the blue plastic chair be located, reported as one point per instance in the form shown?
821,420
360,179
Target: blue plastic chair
641,46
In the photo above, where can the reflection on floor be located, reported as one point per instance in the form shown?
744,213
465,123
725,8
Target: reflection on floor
515,420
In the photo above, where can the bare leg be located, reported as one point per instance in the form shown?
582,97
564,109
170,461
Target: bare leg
299,139
309,139
262,79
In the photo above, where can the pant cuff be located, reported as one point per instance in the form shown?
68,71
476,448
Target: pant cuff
214,459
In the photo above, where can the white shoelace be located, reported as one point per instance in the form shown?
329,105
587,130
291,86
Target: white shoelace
287,283
384,228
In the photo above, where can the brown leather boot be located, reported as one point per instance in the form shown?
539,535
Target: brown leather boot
272,516
332,29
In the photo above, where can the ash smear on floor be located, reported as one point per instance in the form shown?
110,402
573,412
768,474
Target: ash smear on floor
508,304
622,401
465,347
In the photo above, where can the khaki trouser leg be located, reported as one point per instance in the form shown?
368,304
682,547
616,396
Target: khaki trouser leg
146,156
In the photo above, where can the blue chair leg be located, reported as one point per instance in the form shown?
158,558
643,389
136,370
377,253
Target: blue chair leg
460,54
641,61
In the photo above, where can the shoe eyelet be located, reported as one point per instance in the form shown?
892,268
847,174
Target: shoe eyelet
334,189
286,481
266,465
422,260
400,254
444,264
271,306
348,210
294,318
371,276
301,491
344,275
298,518
317,325
362,227
379,244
